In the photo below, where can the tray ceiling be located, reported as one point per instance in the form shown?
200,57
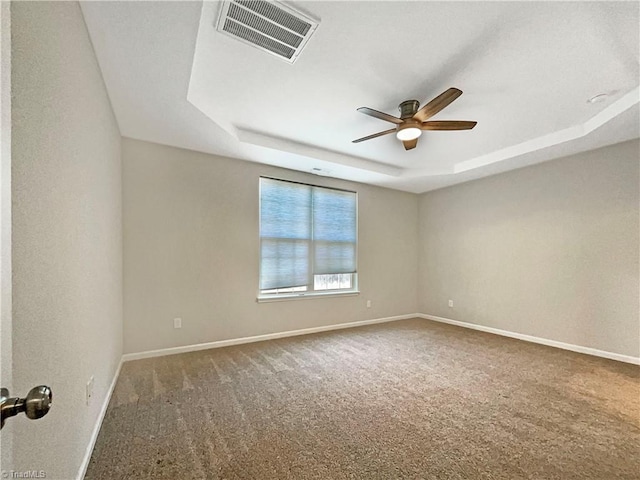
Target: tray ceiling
527,70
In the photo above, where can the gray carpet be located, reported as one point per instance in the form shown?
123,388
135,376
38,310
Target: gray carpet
409,399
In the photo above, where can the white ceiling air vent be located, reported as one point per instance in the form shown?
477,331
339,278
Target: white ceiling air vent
270,26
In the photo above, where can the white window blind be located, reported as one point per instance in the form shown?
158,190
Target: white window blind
305,231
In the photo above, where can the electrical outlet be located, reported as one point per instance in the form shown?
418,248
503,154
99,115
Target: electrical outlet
177,323
89,391
368,303
450,303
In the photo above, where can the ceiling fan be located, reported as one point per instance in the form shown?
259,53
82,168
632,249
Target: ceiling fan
412,121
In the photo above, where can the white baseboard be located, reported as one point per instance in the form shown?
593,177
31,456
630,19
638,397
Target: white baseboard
259,338
542,341
96,429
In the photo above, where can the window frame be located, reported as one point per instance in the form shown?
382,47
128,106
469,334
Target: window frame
310,292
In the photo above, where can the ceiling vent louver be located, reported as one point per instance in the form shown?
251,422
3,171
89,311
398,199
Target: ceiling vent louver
270,26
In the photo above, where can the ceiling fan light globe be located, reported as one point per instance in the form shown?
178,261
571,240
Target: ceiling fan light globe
409,133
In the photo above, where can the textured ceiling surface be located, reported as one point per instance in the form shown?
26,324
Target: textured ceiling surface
527,70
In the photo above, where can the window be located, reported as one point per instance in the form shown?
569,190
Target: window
308,239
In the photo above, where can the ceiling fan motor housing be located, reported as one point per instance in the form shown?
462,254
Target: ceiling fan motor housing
408,108
409,123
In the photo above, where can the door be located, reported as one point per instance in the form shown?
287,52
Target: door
5,221
36,403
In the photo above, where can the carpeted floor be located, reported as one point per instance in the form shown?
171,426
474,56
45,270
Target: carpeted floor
409,399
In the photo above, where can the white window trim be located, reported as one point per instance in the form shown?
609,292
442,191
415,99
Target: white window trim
280,297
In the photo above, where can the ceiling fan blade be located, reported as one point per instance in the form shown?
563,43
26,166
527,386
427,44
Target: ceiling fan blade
409,144
379,134
448,125
382,116
437,104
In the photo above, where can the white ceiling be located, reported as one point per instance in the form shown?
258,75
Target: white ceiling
526,69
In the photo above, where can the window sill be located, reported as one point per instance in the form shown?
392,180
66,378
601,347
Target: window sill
303,296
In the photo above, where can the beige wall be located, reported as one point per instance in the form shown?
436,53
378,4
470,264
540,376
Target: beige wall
191,251
550,250
67,234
